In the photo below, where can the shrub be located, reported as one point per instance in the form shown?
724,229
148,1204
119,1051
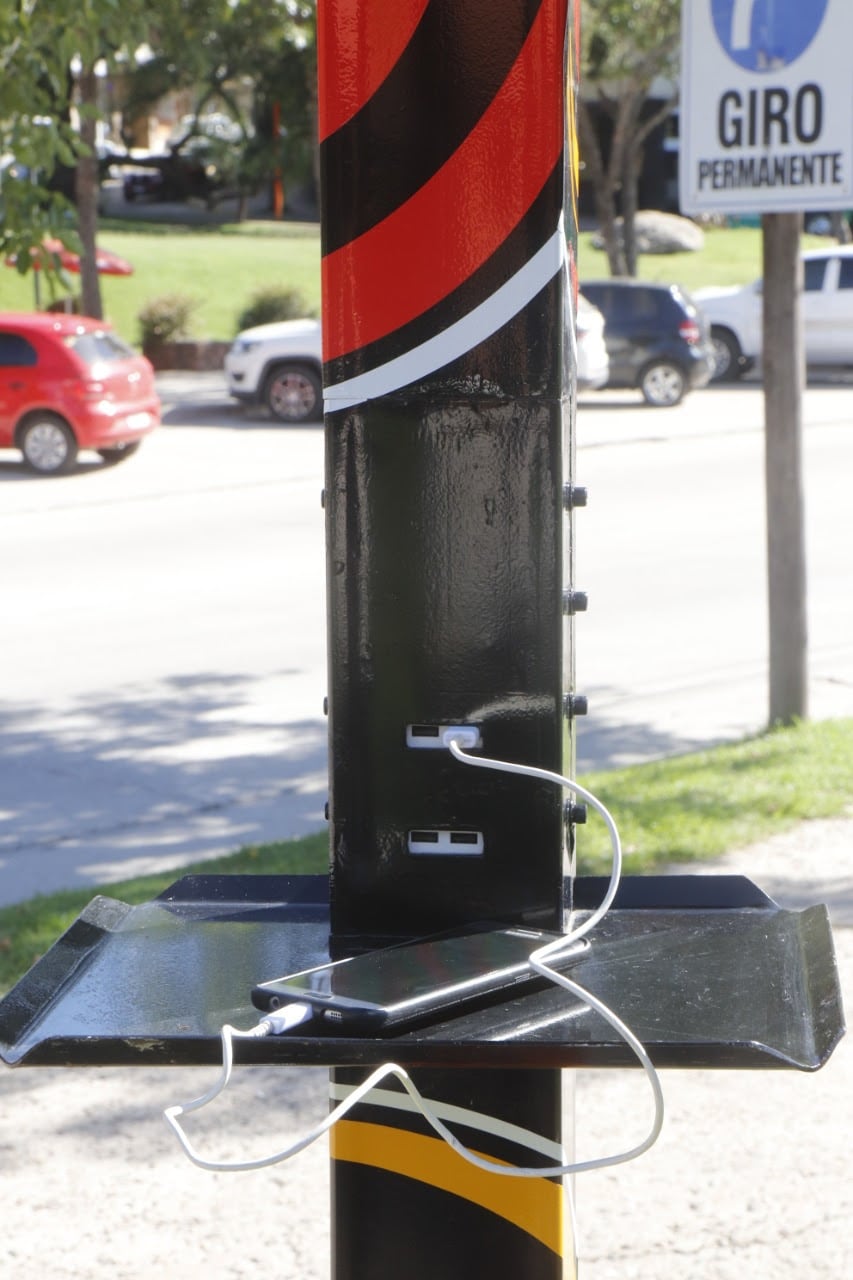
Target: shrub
273,303
69,304
166,318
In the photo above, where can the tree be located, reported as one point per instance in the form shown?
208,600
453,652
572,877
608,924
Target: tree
625,47
41,41
49,52
32,139
252,60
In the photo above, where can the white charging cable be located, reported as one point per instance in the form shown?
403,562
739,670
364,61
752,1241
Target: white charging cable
456,740
290,1016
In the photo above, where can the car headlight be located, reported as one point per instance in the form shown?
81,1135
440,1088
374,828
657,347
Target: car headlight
242,346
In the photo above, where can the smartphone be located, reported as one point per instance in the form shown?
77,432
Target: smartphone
412,982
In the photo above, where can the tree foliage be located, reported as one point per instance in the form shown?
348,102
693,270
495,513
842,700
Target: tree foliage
215,49
626,46
49,50
32,138
45,47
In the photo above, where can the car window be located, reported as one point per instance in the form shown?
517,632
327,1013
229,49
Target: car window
684,301
599,296
99,346
814,269
845,276
16,351
646,304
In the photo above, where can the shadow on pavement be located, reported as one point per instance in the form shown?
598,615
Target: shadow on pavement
603,743
151,780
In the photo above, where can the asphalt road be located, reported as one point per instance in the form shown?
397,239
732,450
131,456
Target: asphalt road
164,621
672,549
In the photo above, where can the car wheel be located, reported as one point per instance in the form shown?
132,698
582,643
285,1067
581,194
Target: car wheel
663,384
48,445
119,452
293,393
728,362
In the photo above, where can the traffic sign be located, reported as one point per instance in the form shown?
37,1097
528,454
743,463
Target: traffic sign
760,34
766,106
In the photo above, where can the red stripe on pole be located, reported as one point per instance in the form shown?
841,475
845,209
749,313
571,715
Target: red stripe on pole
450,227
359,44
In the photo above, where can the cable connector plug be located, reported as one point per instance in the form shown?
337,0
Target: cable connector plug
277,1021
465,736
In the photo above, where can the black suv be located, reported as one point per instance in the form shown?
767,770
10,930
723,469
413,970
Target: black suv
656,337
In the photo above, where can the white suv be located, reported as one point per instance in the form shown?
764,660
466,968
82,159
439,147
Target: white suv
281,366
735,315
593,362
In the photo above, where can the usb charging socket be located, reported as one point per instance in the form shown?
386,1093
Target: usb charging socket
455,844
434,737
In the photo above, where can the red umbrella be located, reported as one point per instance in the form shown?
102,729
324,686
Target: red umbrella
108,264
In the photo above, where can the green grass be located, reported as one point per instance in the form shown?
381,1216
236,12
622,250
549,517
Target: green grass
731,255
222,266
688,807
28,928
705,804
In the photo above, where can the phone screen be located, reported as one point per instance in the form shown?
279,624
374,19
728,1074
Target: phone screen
405,982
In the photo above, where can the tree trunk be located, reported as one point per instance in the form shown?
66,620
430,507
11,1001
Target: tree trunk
86,190
602,188
625,113
630,188
314,111
784,376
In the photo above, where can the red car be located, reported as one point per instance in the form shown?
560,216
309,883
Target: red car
69,383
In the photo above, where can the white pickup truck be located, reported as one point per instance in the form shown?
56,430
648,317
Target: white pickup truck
735,315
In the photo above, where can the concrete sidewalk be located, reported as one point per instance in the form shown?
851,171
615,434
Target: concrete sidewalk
750,1180
752,1177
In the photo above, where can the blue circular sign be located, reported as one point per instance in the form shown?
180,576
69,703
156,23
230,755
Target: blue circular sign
764,35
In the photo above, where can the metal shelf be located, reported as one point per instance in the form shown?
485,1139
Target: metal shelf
707,971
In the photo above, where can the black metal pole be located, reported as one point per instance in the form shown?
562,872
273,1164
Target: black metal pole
446,304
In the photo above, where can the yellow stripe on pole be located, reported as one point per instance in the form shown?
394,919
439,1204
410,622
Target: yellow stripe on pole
535,1205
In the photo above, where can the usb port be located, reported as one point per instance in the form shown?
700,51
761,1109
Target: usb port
454,843
416,733
433,737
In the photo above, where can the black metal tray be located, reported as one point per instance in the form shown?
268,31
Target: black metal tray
706,970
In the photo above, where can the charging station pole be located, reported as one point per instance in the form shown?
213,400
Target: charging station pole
448,295
448,251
